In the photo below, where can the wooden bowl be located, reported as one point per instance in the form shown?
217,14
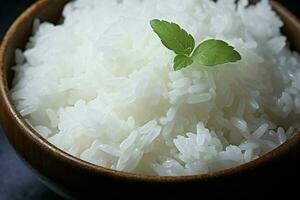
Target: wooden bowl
70,176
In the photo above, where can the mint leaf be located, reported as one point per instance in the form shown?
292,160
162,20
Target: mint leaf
215,52
182,61
208,53
173,37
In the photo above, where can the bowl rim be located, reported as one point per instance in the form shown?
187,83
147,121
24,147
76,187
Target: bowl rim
76,162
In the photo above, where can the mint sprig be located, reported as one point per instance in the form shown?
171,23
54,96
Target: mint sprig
209,53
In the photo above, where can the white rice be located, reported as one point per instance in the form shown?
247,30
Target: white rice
101,86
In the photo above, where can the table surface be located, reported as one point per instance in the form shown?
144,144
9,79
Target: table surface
16,181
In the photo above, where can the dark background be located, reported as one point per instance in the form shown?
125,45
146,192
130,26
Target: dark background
16,181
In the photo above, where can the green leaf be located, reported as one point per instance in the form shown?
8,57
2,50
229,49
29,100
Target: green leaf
173,37
182,61
215,52
208,53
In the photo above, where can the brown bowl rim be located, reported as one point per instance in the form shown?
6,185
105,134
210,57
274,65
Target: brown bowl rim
76,162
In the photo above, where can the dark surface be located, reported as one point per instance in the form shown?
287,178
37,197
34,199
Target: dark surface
16,181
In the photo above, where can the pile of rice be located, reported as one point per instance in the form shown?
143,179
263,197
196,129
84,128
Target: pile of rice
101,86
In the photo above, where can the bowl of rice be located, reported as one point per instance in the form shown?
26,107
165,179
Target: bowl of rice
90,101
